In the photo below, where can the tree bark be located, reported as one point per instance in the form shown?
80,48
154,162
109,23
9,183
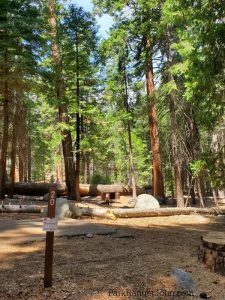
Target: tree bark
59,169
5,136
86,168
193,146
157,182
66,134
130,147
29,149
199,189
77,169
13,151
21,155
174,131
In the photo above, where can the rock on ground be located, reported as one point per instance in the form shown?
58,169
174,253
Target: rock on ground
61,208
184,279
145,201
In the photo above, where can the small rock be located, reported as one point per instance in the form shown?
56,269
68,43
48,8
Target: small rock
89,235
184,279
203,295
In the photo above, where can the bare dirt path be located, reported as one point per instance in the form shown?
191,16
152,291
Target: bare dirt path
18,232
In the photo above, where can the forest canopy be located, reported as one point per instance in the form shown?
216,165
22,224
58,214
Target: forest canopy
143,106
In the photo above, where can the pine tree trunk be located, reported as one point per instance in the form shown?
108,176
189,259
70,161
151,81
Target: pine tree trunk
21,161
171,178
199,189
5,136
13,152
66,134
174,131
130,147
69,164
25,161
86,168
158,185
29,149
29,160
176,159
78,129
193,146
59,171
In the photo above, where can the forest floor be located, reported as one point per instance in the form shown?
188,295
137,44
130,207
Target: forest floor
114,266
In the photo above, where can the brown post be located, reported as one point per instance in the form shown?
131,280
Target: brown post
50,239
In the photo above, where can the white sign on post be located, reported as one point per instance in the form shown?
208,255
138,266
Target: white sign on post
50,224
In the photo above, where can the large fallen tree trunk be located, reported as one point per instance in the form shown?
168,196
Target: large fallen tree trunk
161,212
35,189
39,189
141,213
20,208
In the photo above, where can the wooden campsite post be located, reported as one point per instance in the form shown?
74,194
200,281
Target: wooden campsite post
50,239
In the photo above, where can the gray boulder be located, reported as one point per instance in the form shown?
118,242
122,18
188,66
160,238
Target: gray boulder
184,279
145,201
61,208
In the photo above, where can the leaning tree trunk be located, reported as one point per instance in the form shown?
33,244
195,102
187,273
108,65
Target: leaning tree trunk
66,134
5,135
158,185
174,132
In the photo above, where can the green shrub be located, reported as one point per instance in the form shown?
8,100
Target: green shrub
100,179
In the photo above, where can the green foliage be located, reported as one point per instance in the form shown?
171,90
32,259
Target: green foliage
112,96
197,167
99,179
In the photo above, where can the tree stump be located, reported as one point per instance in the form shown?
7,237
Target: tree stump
212,251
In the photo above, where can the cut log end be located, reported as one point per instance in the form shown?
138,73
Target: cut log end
212,251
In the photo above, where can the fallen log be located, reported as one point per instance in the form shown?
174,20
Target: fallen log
35,188
165,212
78,211
97,189
27,198
20,209
40,189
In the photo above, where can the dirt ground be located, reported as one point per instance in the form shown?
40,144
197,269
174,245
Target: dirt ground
134,266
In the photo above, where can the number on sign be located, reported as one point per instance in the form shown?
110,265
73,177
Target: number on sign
52,198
